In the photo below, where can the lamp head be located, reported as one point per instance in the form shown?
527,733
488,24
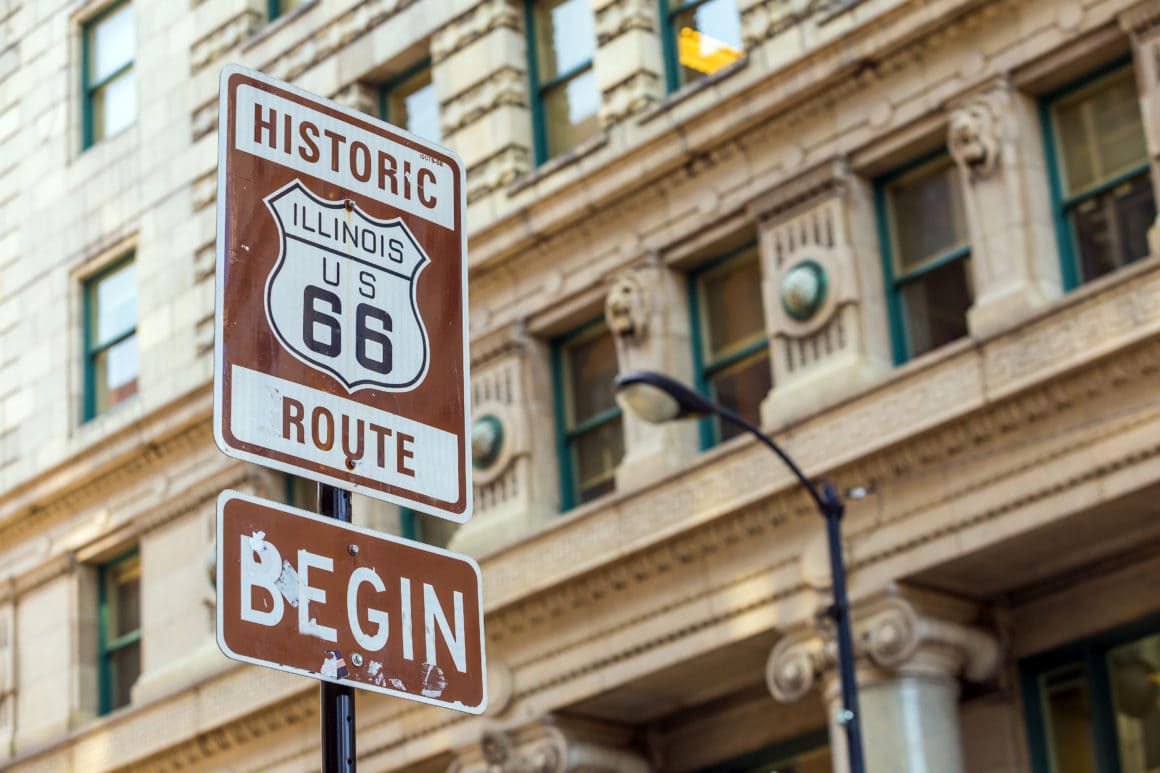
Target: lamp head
657,398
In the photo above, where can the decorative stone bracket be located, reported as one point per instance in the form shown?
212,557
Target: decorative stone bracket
895,634
549,746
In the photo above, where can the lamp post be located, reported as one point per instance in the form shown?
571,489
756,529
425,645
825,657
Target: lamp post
657,398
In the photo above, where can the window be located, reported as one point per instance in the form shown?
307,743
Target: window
565,99
109,83
278,8
1094,707
1099,175
119,630
111,367
428,529
410,102
926,256
700,38
730,347
809,753
589,433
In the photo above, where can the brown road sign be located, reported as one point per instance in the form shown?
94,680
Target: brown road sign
341,349
317,597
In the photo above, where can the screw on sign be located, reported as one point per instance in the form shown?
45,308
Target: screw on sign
341,299
392,616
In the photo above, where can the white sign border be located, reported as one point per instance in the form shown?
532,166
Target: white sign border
219,612
219,301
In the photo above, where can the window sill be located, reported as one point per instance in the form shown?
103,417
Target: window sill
553,165
690,90
271,28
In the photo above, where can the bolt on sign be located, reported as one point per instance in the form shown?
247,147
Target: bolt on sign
317,597
341,348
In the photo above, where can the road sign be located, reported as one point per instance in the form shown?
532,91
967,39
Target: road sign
341,349
313,596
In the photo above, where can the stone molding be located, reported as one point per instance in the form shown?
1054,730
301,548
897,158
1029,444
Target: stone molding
359,96
471,26
497,171
829,178
506,87
617,17
630,97
1141,18
627,306
900,632
549,745
211,47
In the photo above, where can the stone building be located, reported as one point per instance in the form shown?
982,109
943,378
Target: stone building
912,239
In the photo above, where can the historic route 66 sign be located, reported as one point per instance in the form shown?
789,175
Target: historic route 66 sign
341,347
342,295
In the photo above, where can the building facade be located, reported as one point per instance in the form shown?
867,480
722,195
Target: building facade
913,240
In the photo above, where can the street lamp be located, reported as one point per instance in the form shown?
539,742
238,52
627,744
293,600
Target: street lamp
657,398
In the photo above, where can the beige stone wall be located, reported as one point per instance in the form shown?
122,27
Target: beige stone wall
634,630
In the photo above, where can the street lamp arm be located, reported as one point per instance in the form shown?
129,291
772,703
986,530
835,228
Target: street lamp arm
643,390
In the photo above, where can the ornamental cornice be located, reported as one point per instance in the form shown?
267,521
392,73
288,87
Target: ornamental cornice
829,178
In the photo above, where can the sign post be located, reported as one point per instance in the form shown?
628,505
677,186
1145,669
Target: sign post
341,356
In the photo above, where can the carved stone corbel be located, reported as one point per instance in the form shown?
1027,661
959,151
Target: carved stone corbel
975,132
550,746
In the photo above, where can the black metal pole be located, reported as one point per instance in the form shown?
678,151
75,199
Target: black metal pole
831,508
336,707
850,718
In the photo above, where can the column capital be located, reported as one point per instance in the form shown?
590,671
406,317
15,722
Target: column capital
899,632
549,745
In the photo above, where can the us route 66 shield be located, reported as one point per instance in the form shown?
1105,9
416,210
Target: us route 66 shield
341,296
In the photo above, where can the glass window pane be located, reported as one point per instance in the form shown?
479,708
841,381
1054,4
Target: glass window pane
741,387
1134,671
124,597
114,308
1101,133
414,105
1069,721
116,373
570,112
125,666
935,306
596,453
112,42
927,215
708,37
565,37
734,315
591,367
115,106
1111,229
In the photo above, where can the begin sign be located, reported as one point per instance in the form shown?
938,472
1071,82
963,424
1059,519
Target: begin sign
317,597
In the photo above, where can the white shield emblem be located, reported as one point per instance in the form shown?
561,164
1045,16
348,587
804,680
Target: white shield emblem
341,297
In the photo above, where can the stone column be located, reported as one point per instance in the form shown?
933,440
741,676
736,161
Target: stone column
646,311
1142,22
550,745
994,137
628,64
479,67
912,648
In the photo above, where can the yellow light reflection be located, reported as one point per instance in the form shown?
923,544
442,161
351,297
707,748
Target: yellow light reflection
703,53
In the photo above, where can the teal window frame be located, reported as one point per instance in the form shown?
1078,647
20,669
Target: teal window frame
540,150
274,9
106,648
88,88
1091,652
893,284
1061,203
709,426
774,756
565,434
93,350
394,83
667,12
